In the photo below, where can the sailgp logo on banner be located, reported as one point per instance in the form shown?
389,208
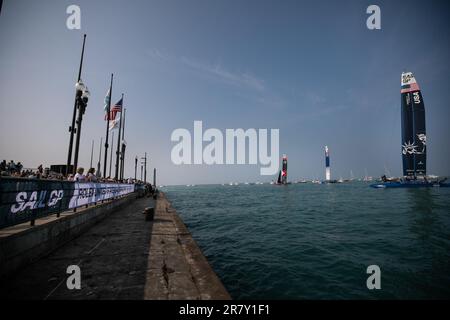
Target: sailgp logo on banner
213,153
36,199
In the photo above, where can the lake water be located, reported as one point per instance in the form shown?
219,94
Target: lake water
308,241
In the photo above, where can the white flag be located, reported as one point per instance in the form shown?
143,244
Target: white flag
114,124
107,99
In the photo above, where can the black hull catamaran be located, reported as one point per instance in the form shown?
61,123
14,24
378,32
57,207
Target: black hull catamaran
414,151
282,176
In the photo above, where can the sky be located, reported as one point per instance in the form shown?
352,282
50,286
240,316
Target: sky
311,69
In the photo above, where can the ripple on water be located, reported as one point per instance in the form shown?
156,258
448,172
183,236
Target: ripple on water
315,241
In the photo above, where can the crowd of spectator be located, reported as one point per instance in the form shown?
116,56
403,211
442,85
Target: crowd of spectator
92,176
16,170
10,168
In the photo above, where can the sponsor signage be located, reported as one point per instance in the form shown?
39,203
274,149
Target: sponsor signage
22,200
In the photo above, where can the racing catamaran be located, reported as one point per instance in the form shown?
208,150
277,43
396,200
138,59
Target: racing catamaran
414,151
282,176
327,167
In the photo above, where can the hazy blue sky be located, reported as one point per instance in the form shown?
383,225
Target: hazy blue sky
310,68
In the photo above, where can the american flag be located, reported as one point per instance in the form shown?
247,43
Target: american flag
410,87
114,109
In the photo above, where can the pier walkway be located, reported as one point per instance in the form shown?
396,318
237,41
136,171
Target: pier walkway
123,257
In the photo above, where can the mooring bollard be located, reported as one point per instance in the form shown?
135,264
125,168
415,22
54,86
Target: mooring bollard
149,213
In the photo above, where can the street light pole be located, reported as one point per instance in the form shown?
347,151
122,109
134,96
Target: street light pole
92,154
99,158
116,176
72,129
124,146
144,162
135,167
108,111
111,155
82,104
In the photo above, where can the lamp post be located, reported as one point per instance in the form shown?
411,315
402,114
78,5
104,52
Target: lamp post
135,167
92,154
145,168
83,95
122,161
123,146
72,129
111,156
108,110
99,174
116,176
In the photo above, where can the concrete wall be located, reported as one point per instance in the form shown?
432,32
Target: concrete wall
29,245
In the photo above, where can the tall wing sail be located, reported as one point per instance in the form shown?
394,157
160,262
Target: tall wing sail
413,127
284,172
327,164
279,178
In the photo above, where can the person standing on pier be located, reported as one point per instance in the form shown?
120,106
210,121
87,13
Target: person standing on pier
91,177
80,177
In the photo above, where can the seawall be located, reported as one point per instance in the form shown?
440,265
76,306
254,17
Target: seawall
22,244
124,256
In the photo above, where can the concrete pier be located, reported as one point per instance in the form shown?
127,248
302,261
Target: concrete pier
123,257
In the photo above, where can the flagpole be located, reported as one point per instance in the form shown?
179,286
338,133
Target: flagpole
122,167
99,158
135,168
116,176
72,128
111,157
107,126
92,153
145,169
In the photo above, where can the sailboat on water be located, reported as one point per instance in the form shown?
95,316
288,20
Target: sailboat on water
282,175
414,151
327,167
367,178
279,178
352,177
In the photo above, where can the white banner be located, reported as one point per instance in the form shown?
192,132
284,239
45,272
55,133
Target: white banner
88,193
